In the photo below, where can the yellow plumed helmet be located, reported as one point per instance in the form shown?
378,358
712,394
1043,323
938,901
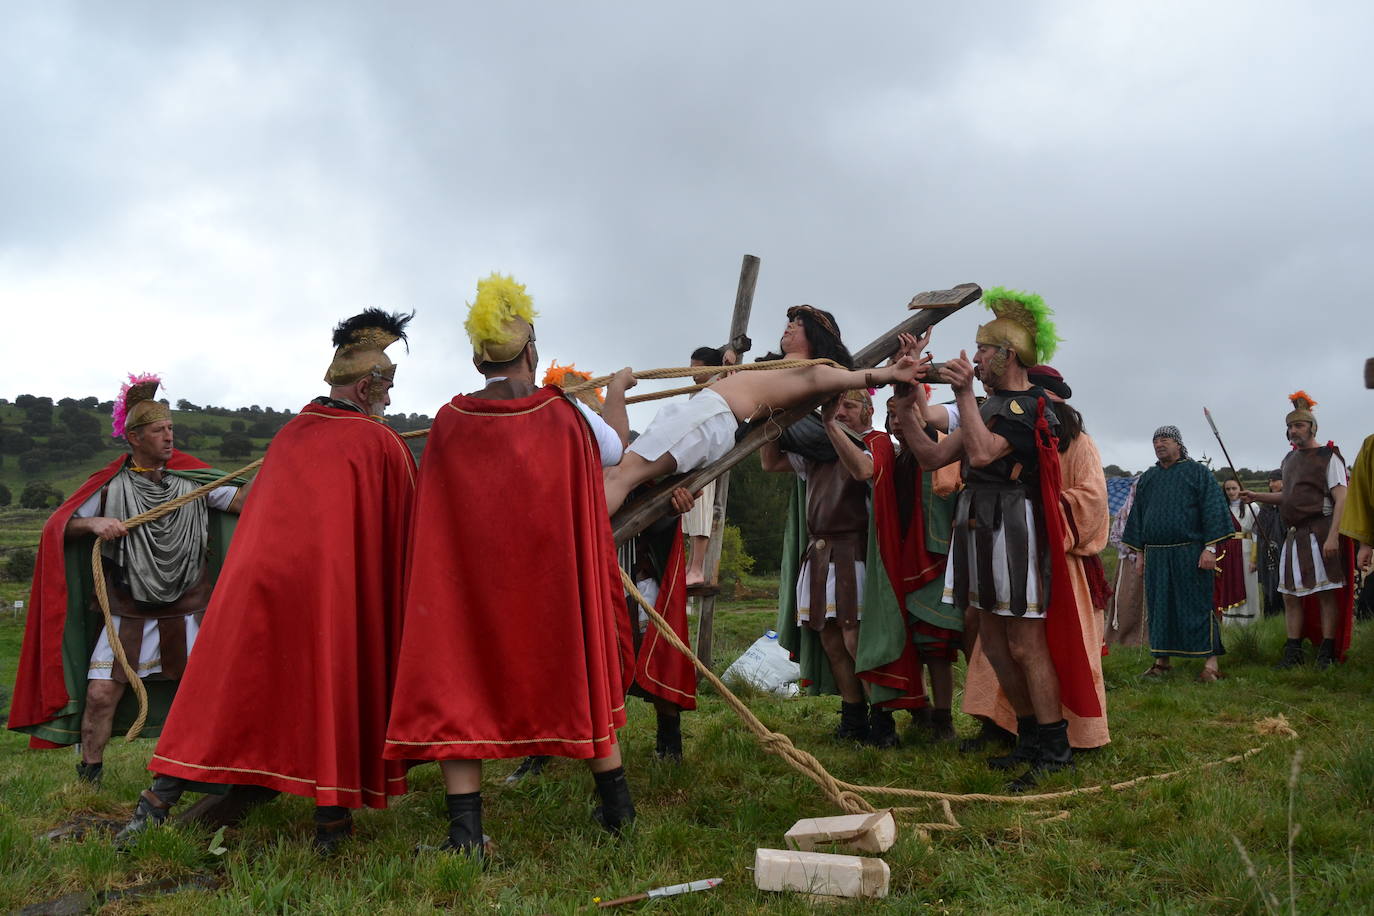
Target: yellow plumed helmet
500,320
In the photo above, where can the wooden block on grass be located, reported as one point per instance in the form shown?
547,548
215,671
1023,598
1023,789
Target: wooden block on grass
874,832
820,873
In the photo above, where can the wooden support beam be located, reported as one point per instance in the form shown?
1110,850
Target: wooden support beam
739,341
636,516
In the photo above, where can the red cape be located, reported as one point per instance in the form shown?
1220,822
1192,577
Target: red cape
1063,628
908,566
289,681
516,637
660,669
40,688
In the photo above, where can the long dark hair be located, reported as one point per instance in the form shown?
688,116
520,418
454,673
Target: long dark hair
825,343
1070,424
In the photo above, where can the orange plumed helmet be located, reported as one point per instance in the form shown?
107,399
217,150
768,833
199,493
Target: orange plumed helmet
1302,409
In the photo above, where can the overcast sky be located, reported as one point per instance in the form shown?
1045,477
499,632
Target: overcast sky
203,190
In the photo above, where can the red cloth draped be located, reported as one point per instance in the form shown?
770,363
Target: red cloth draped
516,637
1063,629
40,688
289,682
1228,590
1345,606
908,566
660,669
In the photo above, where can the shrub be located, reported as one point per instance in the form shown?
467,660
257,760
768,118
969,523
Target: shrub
34,460
39,494
19,564
735,562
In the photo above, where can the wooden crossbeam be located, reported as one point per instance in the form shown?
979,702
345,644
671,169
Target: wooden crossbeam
934,307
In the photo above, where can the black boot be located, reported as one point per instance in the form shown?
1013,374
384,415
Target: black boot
617,809
990,733
1326,654
853,721
333,825
942,725
1055,755
882,729
1292,655
90,772
1027,749
530,766
465,824
153,807
669,743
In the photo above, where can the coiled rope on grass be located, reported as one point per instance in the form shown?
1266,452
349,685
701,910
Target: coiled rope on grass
849,797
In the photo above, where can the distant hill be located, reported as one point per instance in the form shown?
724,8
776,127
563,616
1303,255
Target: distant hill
61,443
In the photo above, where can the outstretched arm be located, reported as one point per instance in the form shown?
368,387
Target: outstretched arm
613,411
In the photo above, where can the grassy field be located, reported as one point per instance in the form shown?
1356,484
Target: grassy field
1163,847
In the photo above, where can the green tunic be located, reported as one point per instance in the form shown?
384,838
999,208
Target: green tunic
1177,511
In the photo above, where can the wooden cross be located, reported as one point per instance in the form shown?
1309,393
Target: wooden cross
739,342
634,517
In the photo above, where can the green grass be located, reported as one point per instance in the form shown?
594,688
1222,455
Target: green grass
1162,847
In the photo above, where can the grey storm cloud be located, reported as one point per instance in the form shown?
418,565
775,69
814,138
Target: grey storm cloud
205,189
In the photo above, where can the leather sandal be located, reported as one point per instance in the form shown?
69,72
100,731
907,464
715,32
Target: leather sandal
1157,670
1210,676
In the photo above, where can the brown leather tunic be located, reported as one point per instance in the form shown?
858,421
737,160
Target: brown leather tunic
837,523
1304,496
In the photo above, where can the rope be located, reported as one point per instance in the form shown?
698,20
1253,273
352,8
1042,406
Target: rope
103,597
848,797
676,372
689,371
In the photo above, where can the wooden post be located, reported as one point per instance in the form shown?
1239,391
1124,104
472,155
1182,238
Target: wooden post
739,329
634,517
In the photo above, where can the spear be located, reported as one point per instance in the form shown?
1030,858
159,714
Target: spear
670,891
1216,432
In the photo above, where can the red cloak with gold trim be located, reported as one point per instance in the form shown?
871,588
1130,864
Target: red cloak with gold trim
660,669
289,682
40,687
516,637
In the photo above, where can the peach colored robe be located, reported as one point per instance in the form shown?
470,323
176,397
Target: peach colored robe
1084,507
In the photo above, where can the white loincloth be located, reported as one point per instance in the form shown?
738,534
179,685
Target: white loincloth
1288,558
804,591
149,655
695,432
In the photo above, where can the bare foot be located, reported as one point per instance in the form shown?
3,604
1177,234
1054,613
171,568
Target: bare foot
695,579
